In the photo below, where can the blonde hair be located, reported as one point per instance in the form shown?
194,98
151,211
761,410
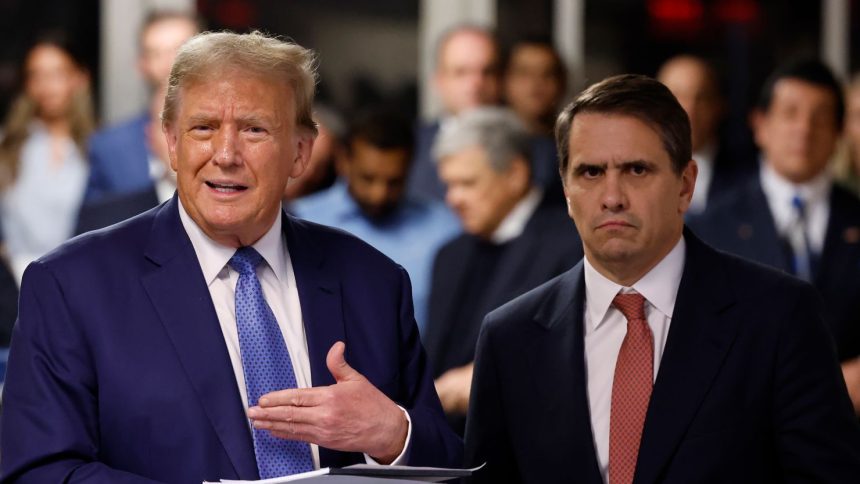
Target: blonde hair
845,164
16,127
256,53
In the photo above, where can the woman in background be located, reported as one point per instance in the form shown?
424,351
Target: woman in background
43,169
847,165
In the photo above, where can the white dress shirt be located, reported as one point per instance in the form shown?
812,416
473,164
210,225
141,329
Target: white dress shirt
514,223
606,326
278,282
816,194
705,162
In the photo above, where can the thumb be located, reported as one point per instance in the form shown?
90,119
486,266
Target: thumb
337,365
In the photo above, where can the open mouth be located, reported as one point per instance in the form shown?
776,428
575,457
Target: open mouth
226,187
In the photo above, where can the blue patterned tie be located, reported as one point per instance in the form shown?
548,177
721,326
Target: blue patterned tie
267,366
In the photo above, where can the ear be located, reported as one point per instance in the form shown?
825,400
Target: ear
172,137
688,185
304,146
757,121
519,175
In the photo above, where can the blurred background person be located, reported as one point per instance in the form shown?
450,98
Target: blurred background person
847,166
514,240
121,158
328,145
696,85
116,207
43,170
794,217
467,75
370,201
533,82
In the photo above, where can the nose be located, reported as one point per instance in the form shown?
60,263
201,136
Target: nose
613,198
225,146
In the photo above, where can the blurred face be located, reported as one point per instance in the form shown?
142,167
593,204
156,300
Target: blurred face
158,46
467,73
690,82
234,144
798,133
52,80
532,84
376,177
852,122
627,202
480,196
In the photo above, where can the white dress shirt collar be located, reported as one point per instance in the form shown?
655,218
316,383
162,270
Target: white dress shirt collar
705,161
659,286
513,225
816,195
213,257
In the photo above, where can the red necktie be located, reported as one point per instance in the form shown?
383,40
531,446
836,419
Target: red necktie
631,389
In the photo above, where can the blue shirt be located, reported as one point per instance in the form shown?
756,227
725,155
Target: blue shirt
410,235
39,210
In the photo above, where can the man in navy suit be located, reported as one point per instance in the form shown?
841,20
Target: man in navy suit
656,359
466,76
131,360
120,159
793,216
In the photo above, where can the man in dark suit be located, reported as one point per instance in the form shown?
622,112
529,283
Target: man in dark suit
142,351
514,240
656,359
121,161
466,76
723,162
793,216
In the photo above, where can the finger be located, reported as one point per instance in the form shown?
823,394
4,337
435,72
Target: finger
274,415
337,365
296,397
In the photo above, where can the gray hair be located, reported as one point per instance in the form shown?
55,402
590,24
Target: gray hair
211,53
498,131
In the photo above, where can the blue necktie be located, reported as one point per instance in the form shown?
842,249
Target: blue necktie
267,366
799,240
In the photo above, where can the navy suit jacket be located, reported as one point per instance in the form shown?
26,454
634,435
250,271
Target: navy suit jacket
119,159
119,372
424,179
743,225
748,388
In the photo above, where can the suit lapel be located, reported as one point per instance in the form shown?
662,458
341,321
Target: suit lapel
320,297
697,344
180,297
767,248
557,367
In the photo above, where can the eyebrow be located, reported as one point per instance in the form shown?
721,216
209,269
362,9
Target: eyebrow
581,167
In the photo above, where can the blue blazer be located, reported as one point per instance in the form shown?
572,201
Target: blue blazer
748,389
119,159
119,372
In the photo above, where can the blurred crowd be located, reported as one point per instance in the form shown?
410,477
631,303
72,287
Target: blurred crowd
471,203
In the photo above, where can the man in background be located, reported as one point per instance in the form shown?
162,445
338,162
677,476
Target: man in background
722,165
121,159
370,201
514,240
466,75
793,216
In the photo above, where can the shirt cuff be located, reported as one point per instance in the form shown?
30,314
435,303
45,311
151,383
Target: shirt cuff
404,454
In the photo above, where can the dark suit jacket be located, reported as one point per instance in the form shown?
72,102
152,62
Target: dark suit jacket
119,372
119,159
742,224
748,388
732,168
424,180
114,208
548,246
